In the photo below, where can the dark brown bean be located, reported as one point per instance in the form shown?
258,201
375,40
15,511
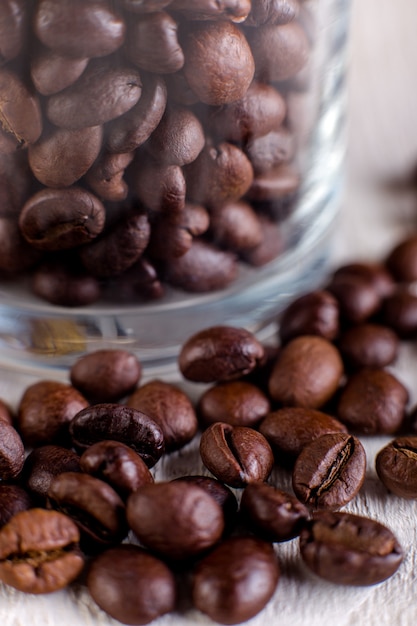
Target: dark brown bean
402,260
65,283
368,345
219,353
399,312
144,6
270,247
16,255
358,298
173,235
160,187
269,151
234,10
12,453
236,402
43,464
235,226
178,138
348,549
51,72
105,177
314,313
272,12
375,273
396,466
13,499
13,23
275,184
236,455
20,113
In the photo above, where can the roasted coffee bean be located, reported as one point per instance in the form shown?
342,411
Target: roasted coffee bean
61,157
16,255
118,249
57,219
43,464
329,471
373,402
270,247
269,151
102,93
93,505
307,373
236,580
12,454
402,260
272,514
139,283
236,402
221,494
65,283
116,464
261,110
75,28
279,51
202,268
219,353
236,455
234,10
358,298
178,138
39,551
219,65
178,520
399,312
45,410
170,408
160,187
289,430
13,23
396,466
13,499
368,345
132,129
278,183
235,226
20,112
131,585
106,375
275,12
118,423
374,273
51,72
165,57
145,6
105,177
314,313
348,549
172,236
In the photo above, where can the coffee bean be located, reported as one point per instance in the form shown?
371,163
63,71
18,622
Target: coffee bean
178,138
271,513
358,298
374,273
288,430
39,551
118,423
20,113
219,353
165,57
348,549
236,455
307,373
65,283
170,408
13,499
117,464
131,585
270,247
402,260
235,226
236,580
160,187
271,150
57,219
234,10
314,313
16,255
173,235
399,312
144,6
105,177
51,72
368,345
329,471
140,282
93,505
278,183
43,464
373,402
177,520
237,403
396,466
13,23
45,410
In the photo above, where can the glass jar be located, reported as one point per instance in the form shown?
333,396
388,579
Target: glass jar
165,165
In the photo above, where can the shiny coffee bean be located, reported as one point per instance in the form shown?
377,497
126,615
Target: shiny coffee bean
396,466
65,283
106,375
348,549
116,464
275,12
139,283
160,187
329,471
399,312
178,138
20,113
45,410
307,373
51,72
12,453
165,57
314,313
155,511
373,402
131,585
236,455
358,298
368,345
271,513
271,245
170,408
219,353
13,499
236,580
374,273
118,423
236,402
14,16
39,551
93,505
278,183
233,10
271,150
402,260
105,177
58,219
217,72
173,235
290,429
235,226
43,464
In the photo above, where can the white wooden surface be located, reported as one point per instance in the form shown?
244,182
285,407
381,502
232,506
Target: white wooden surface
378,210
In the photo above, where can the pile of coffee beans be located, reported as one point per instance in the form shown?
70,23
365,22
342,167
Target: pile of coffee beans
146,143
82,504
